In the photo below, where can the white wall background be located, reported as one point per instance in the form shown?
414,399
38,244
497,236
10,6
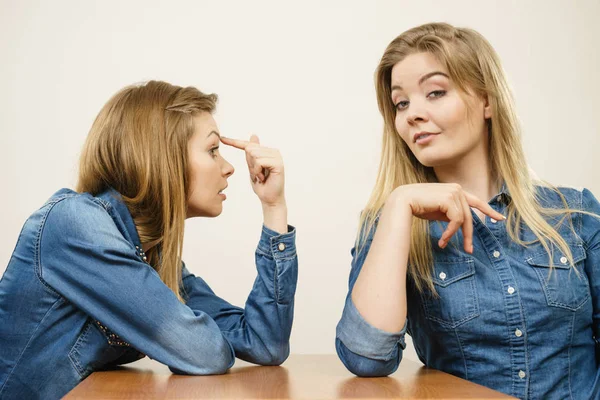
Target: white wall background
299,74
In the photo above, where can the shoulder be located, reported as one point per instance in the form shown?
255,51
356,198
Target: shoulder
562,196
585,206
69,214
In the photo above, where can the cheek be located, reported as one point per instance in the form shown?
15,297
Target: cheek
200,172
402,127
455,112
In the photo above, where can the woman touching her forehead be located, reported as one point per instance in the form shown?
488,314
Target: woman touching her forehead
96,279
493,273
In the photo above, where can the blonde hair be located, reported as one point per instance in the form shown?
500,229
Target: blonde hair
474,67
138,147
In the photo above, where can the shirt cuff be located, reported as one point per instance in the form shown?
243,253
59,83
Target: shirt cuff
276,245
364,339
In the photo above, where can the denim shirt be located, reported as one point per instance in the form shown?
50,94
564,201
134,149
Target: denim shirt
501,320
77,296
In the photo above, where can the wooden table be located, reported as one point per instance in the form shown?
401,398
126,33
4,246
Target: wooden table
300,377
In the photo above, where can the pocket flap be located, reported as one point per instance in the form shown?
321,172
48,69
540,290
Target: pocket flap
447,272
542,259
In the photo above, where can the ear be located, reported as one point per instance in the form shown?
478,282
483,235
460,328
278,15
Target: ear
487,109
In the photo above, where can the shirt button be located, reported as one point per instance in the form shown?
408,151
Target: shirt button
511,290
493,220
563,260
496,254
521,374
281,246
518,333
442,276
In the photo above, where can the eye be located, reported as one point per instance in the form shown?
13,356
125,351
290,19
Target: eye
436,94
213,151
401,105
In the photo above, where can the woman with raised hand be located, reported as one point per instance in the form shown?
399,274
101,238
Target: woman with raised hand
96,279
494,274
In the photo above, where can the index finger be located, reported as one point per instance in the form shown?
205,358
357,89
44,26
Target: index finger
483,207
238,144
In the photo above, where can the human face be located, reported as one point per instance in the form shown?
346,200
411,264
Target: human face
208,170
440,124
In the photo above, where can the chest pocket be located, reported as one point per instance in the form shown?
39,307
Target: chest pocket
457,300
562,286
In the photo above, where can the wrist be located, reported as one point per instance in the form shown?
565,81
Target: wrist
275,217
400,198
399,203
276,206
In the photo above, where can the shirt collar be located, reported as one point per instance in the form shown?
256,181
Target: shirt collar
503,195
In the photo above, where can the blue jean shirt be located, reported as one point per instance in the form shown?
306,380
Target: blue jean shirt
500,319
78,297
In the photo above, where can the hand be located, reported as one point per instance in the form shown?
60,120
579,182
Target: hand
266,170
445,202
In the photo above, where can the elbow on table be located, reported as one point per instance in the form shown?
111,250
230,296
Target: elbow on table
208,363
273,355
365,367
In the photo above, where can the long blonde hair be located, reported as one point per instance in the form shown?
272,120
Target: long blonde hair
138,147
475,68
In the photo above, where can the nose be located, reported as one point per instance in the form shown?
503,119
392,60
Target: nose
227,169
416,113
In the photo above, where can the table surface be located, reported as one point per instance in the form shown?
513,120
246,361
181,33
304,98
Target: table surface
300,377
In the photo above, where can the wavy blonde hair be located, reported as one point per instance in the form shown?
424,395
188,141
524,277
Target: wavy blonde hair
475,68
138,146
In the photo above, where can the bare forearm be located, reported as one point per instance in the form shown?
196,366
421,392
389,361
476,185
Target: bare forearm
380,290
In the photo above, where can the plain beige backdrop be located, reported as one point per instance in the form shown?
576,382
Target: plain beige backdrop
300,75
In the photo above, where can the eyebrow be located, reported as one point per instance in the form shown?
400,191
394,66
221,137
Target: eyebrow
214,132
423,79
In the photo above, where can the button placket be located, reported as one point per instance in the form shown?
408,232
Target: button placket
493,237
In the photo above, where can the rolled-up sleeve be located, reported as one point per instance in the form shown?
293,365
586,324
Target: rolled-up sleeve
364,349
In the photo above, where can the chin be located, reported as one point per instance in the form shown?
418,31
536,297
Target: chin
435,160
206,213
216,214
212,213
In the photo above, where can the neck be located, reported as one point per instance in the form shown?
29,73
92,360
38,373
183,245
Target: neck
473,173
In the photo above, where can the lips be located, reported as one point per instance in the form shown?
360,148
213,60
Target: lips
422,135
221,191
